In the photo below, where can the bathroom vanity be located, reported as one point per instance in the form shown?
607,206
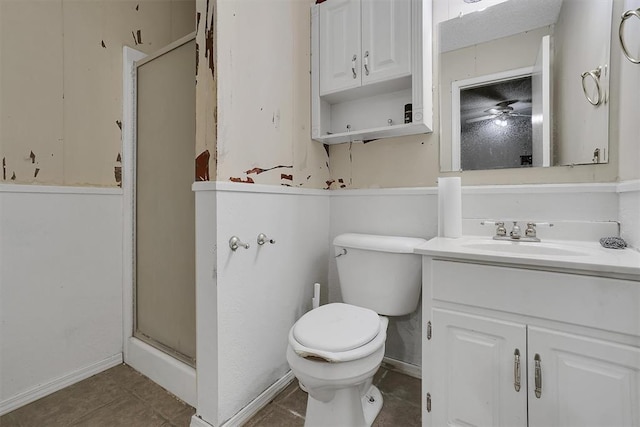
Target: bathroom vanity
530,334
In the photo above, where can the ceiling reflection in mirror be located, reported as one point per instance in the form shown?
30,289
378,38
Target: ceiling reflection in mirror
525,83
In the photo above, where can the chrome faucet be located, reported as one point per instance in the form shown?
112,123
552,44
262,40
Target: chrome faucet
516,232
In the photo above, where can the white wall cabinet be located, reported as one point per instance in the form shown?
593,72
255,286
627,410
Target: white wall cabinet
496,357
369,59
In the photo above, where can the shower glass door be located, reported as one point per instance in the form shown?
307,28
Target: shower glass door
164,308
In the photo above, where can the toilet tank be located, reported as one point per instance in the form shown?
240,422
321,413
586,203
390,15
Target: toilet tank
379,272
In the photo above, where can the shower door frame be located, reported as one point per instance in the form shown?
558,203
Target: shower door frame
173,374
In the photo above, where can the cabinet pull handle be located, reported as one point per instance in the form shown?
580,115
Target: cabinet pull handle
538,375
516,370
366,63
353,66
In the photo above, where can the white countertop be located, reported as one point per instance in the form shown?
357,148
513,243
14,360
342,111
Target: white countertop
577,256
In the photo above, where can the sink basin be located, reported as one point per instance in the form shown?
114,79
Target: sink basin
522,248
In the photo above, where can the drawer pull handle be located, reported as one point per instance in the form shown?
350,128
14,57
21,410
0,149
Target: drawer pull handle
538,375
516,370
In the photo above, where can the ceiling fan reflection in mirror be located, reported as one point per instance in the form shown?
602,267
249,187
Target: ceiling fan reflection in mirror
504,110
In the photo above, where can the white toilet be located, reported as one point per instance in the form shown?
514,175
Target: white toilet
335,350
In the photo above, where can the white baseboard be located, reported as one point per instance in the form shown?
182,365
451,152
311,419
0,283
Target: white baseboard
258,403
196,421
59,383
170,373
414,371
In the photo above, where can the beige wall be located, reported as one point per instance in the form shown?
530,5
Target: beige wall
61,82
263,117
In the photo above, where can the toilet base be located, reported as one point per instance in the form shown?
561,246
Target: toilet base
347,408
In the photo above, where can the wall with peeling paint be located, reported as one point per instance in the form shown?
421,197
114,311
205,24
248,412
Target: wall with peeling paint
61,83
263,114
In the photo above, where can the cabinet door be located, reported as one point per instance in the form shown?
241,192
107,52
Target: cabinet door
584,382
386,40
474,371
340,58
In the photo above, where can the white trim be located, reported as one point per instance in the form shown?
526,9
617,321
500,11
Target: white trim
406,191
255,188
58,189
542,188
166,49
414,371
629,186
59,383
259,402
456,86
172,374
129,56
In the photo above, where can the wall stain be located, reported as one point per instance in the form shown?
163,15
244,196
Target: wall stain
285,176
202,166
32,157
119,123
209,33
139,35
4,168
103,45
13,177
247,181
117,171
326,148
134,37
137,7
329,182
197,44
258,171
35,173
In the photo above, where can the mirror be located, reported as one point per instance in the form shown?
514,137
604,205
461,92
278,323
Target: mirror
525,83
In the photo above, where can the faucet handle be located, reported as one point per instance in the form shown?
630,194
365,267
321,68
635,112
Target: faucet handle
500,229
515,231
531,228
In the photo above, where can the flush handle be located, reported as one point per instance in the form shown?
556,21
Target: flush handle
344,252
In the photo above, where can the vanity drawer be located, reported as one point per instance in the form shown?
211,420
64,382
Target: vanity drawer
598,302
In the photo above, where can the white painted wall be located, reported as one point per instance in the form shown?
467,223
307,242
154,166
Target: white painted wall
629,212
257,293
413,212
60,288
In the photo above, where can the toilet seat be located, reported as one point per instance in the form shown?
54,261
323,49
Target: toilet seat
338,333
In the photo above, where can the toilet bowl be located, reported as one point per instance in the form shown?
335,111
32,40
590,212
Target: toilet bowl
336,349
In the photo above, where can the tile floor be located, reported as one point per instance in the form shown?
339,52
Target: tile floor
121,397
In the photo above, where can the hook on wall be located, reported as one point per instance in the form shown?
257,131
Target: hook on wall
262,239
235,243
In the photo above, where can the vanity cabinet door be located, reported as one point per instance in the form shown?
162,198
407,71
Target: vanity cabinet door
386,40
582,381
340,46
474,380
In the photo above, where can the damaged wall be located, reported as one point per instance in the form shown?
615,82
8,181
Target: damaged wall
263,66
61,83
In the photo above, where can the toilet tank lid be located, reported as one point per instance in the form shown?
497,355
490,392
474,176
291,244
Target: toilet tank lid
374,242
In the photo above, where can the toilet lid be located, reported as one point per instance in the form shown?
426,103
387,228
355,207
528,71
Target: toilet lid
337,327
